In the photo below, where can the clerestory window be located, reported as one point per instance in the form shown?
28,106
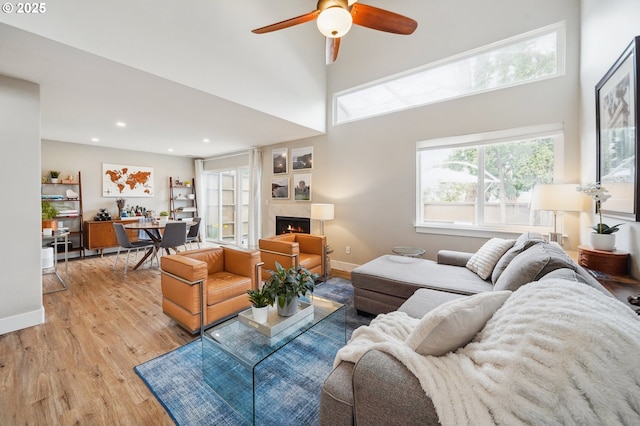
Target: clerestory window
522,59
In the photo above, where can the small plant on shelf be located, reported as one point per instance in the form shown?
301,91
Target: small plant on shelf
49,211
53,175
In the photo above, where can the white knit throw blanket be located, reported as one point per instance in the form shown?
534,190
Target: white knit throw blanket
556,353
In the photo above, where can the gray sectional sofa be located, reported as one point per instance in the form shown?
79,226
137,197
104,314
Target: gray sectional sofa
385,283
379,389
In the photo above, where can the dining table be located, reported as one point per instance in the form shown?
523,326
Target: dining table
154,230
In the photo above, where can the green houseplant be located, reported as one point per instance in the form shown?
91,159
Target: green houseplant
49,212
285,285
53,175
260,301
164,215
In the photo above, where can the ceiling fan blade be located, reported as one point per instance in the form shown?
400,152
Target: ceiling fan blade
332,47
288,23
382,20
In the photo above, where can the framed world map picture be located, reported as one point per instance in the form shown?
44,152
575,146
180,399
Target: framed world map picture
131,181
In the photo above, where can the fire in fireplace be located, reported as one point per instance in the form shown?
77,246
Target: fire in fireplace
287,224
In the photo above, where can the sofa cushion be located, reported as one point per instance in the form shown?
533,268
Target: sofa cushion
454,324
579,275
484,260
533,264
524,241
402,276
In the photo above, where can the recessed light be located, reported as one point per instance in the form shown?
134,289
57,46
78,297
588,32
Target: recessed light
205,140
121,124
170,150
95,140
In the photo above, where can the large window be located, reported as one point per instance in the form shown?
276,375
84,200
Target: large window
486,180
525,58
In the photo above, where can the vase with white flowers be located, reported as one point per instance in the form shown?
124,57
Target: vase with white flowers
603,238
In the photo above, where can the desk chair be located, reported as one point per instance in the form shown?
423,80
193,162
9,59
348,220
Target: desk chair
193,235
174,236
125,243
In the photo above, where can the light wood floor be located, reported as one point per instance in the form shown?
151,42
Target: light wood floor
77,368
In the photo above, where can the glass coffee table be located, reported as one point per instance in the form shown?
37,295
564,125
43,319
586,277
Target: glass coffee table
232,352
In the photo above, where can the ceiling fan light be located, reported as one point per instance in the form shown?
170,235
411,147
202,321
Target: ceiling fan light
334,22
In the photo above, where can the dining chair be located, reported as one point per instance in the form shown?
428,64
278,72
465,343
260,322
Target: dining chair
174,236
193,235
125,243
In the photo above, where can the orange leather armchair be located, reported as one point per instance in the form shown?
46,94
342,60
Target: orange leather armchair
287,249
222,274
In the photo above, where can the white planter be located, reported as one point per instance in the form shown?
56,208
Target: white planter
54,180
163,218
605,242
260,315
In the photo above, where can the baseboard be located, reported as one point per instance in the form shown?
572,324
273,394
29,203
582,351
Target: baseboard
20,321
342,269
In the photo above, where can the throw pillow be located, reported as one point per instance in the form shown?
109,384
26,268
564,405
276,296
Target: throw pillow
524,241
454,324
484,260
533,264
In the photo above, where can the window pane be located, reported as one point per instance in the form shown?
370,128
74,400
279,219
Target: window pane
449,185
525,58
484,185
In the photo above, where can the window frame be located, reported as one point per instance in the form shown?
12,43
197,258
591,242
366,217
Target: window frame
559,28
483,139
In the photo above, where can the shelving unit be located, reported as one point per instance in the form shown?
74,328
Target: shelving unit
183,203
70,209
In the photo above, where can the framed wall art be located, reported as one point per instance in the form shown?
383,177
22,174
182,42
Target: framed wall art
302,186
302,158
617,137
126,181
279,157
280,188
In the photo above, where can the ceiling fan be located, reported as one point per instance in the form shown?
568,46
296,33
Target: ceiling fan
335,17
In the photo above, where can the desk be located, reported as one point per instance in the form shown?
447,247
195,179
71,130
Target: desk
65,238
154,231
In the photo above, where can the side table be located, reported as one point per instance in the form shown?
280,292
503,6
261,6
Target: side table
610,262
610,268
408,251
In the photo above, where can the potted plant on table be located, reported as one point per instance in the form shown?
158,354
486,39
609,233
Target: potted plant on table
260,301
49,212
164,216
603,238
286,285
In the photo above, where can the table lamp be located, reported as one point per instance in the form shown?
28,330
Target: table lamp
322,212
555,198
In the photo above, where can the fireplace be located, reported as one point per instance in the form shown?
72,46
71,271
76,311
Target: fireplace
287,224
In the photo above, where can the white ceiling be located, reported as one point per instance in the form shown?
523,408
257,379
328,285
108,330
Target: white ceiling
175,72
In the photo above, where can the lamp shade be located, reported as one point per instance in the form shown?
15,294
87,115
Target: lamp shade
334,22
322,211
557,197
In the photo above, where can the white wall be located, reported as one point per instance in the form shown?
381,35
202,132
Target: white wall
607,29
20,275
69,158
367,168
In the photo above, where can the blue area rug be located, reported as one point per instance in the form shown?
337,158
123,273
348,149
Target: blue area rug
289,398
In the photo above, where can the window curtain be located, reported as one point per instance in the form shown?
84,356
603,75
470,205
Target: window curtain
200,191
255,203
